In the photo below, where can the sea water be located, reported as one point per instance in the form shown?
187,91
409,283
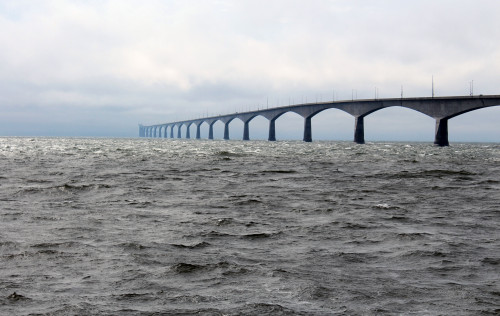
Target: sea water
196,227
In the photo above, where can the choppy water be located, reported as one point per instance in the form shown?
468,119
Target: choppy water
170,227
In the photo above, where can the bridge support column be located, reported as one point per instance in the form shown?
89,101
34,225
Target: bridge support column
211,131
441,136
166,132
246,131
359,130
198,131
188,133
272,130
179,131
307,130
226,131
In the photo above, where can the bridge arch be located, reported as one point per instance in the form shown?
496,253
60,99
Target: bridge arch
187,128
472,110
258,127
226,120
476,124
172,130
286,125
178,130
191,127
218,129
204,129
236,128
332,124
396,123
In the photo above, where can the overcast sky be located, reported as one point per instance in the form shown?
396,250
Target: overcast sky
99,68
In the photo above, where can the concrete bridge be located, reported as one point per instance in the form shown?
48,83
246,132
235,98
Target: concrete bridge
440,108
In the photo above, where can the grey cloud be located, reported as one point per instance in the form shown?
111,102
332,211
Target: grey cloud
112,64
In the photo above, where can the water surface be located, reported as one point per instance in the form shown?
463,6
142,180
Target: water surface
169,227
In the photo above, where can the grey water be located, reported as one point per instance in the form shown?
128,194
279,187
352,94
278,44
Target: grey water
179,227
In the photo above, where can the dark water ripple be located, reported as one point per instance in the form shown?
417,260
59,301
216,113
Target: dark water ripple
170,227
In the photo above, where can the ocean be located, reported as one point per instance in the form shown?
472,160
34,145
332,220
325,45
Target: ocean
98,226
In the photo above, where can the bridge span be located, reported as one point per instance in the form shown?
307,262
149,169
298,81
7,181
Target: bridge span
441,109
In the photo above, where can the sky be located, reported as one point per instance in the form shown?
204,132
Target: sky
100,67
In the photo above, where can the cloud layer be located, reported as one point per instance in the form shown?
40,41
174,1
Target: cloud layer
100,67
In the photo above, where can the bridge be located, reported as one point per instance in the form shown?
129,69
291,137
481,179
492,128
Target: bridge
441,109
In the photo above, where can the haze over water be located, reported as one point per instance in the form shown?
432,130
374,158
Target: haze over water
169,227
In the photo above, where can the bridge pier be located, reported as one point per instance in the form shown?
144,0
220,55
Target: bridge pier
441,136
246,131
166,132
211,131
307,129
198,132
272,130
226,131
179,131
359,130
188,132
172,131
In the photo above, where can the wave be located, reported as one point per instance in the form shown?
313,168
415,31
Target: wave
433,173
224,267
200,245
279,171
491,261
425,253
133,246
64,188
265,309
412,236
257,236
248,202
69,244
